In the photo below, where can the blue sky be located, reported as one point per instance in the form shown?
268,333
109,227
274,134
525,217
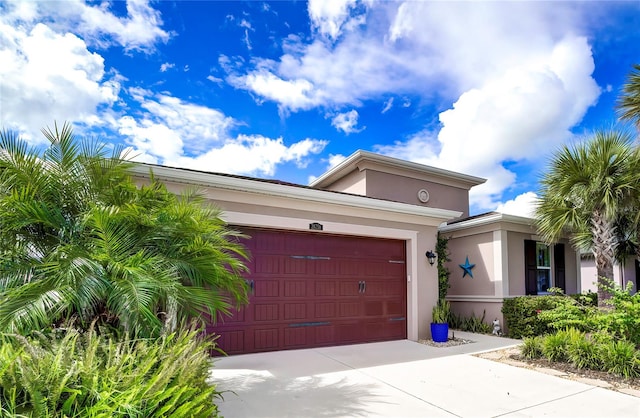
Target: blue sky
286,90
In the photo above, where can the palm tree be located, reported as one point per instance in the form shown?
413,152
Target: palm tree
79,240
629,101
583,193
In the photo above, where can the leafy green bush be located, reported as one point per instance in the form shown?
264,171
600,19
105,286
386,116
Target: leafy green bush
584,353
88,375
532,347
470,324
556,346
521,314
621,357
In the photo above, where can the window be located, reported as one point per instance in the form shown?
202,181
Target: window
543,267
539,260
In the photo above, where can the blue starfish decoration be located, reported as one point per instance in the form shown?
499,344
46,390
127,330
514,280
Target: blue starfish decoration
467,268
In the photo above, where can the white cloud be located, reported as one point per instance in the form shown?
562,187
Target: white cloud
47,76
329,17
215,79
166,66
517,115
139,30
335,159
346,122
250,154
176,133
521,205
291,94
387,106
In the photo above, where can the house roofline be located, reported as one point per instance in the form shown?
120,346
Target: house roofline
351,163
486,219
286,190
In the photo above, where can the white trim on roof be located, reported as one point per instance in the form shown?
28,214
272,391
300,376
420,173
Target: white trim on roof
487,219
288,191
351,162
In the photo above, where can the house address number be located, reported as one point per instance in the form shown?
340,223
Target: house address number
315,226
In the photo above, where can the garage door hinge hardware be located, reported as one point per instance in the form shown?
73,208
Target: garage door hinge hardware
310,257
309,324
397,261
402,318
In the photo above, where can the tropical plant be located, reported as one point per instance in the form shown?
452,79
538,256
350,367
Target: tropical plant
471,323
629,101
531,347
79,240
585,189
441,312
73,374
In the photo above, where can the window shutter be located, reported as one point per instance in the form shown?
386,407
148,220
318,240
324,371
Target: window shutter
530,268
558,259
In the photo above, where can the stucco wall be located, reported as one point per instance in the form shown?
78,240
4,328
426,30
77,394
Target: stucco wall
621,274
516,262
354,182
479,249
405,189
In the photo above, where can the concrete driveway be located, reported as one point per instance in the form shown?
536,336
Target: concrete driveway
404,379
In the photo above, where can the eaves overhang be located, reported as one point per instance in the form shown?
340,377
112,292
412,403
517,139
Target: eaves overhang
487,219
257,187
360,158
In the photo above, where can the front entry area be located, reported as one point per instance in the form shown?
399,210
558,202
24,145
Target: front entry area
314,289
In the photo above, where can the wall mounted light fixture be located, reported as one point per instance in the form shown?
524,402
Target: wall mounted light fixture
431,256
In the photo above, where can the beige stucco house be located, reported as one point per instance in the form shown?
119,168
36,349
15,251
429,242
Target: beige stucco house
343,260
510,260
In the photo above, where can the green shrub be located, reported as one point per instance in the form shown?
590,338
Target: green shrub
521,314
555,346
470,324
87,375
621,358
531,347
584,353
586,299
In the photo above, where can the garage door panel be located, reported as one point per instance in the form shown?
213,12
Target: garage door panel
349,309
232,341
324,335
312,290
268,264
294,311
349,268
266,312
325,288
295,288
374,308
349,287
324,267
324,310
395,308
295,337
266,338
349,332
294,265
266,288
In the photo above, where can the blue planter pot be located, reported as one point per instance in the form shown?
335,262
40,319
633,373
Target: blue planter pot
440,332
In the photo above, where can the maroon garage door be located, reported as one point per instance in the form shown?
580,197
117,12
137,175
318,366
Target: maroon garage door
312,290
